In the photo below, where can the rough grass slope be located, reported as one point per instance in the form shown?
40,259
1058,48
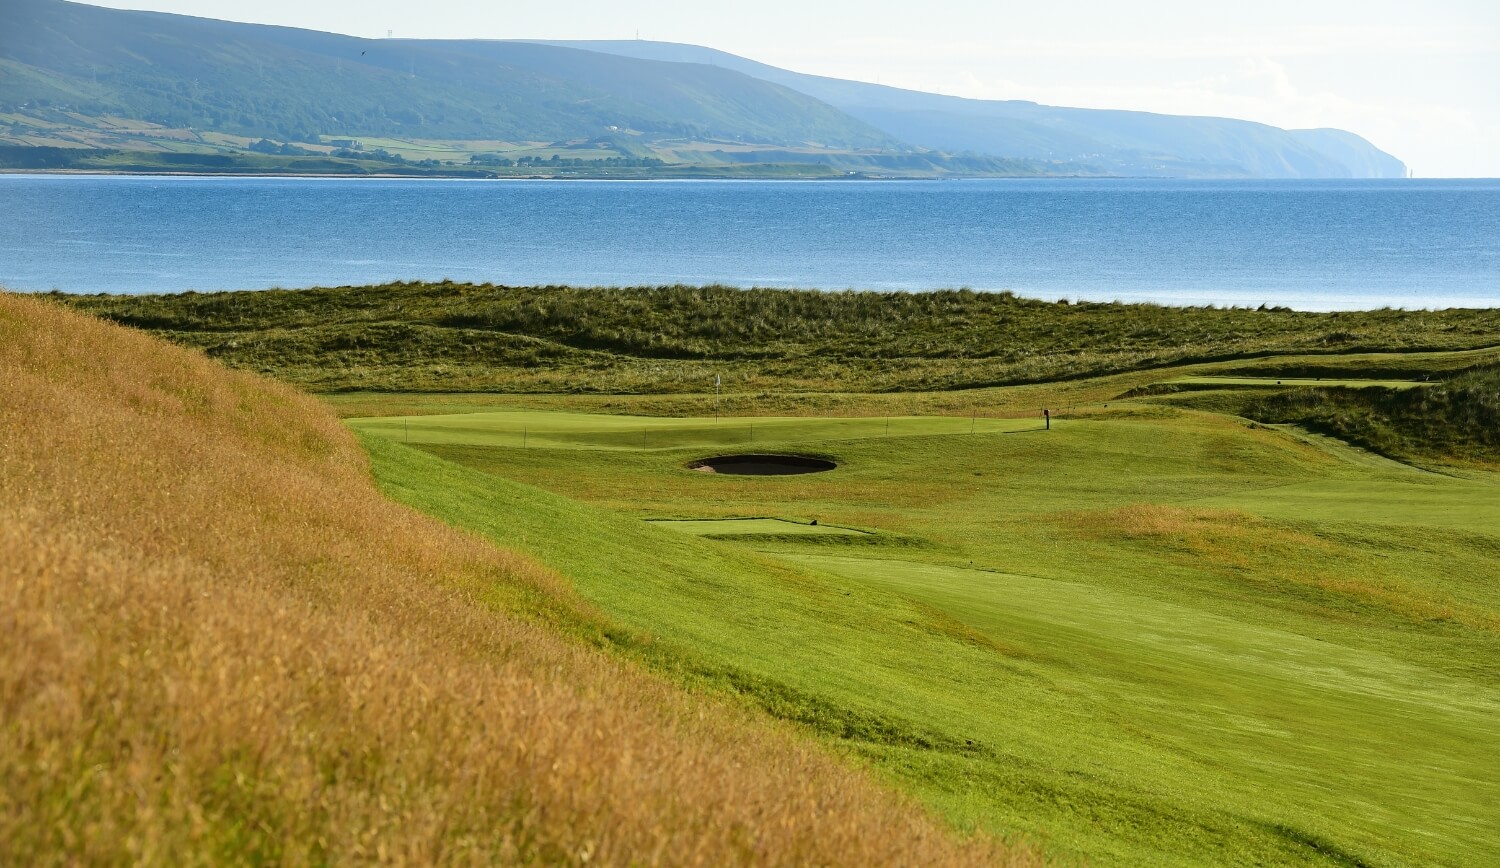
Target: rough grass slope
219,643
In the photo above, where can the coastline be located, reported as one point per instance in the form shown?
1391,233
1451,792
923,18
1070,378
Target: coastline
441,176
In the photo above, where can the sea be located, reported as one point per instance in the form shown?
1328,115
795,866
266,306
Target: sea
1310,245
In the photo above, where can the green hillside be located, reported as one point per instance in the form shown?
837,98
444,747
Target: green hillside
251,80
1126,142
79,76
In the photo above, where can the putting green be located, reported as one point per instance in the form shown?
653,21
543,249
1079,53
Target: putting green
752,527
552,430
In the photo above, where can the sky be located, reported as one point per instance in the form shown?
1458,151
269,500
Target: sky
1420,80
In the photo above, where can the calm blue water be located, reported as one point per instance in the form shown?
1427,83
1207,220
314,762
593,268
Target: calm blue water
1304,244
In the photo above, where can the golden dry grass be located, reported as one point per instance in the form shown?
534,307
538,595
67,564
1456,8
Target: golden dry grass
219,643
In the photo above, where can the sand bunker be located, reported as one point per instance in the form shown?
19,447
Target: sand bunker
763,465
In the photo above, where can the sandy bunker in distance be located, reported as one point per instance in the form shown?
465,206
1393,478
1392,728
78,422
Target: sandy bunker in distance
762,465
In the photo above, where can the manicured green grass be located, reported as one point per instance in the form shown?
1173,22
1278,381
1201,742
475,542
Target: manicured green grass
1285,711
1164,637
723,527
1400,503
1290,382
524,428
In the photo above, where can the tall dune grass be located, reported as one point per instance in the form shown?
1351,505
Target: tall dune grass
447,337
219,643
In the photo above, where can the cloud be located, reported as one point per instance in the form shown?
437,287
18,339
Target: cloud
1348,41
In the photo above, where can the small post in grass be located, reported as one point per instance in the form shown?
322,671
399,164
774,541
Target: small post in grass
887,426
406,426
525,430
973,420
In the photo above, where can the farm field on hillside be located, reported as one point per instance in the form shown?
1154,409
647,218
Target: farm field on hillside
1150,635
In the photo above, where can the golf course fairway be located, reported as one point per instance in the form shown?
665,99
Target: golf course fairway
1149,635
560,430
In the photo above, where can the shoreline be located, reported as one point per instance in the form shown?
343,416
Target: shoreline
689,176
439,176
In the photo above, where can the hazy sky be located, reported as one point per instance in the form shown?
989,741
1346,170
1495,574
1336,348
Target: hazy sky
1419,79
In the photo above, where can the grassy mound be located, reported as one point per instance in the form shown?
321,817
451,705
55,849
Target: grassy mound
1456,420
220,643
453,337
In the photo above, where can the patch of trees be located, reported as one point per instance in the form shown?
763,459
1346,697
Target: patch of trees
27,157
283,149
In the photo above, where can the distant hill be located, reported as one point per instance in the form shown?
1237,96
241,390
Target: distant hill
255,80
1123,141
1363,159
77,76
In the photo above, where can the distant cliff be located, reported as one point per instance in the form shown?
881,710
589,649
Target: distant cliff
1363,159
1124,142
